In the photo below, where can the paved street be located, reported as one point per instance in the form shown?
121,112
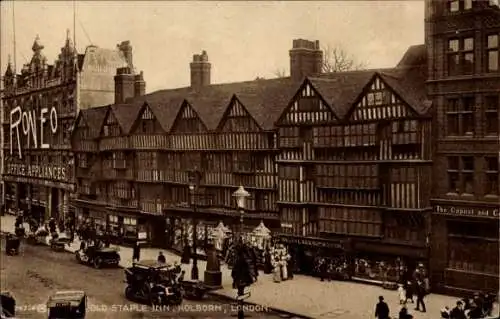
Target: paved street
303,295
37,272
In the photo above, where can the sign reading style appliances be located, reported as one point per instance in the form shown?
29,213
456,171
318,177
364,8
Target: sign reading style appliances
30,124
468,211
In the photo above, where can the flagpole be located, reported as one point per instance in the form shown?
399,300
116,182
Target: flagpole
74,24
14,35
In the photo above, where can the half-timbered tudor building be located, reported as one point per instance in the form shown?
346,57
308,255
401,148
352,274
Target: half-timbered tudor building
46,98
152,148
463,42
354,165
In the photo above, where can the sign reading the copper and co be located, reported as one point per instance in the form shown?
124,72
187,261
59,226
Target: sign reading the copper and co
37,171
468,211
31,125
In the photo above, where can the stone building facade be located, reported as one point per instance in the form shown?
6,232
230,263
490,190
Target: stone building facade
462,39
40,106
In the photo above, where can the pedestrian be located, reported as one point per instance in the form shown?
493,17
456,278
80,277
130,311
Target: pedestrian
401,294
409,291
161,258
403,313
382,309
136,253
421,292
186,252
458,312
323,269
276,270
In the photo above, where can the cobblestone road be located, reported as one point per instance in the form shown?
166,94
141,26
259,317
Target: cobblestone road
38,272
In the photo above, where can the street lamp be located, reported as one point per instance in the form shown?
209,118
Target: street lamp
193,183
241,195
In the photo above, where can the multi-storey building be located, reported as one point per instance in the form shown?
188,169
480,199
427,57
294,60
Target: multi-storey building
462,39
40,106
336,160
354,164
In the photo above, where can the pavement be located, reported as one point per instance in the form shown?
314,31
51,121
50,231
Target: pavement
303,296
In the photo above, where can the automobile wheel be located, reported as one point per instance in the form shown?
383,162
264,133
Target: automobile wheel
97,263
129,293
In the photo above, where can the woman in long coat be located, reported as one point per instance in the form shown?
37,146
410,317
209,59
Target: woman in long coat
276,270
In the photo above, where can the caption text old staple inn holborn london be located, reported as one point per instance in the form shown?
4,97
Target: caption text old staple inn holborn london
376,164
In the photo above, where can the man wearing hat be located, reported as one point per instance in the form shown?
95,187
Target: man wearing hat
382,309
458,312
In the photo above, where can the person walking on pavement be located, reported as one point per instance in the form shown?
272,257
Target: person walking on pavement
421,292
161,258
136,253
403,313
458,312
382,309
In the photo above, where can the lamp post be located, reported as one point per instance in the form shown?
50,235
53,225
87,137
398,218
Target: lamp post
241,195
194,181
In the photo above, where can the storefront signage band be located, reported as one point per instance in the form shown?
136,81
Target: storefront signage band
468,211
38,171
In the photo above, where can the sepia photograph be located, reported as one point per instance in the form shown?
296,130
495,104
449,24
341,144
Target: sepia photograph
250,159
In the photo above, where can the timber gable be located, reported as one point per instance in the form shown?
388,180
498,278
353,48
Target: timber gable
236,118
307,107
188,121
379,102
147,123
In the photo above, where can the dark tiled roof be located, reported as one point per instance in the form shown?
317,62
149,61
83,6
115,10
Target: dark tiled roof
94,118
265,100
341,89
409,84
126,114
416,55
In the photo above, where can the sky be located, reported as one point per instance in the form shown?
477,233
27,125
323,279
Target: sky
243,40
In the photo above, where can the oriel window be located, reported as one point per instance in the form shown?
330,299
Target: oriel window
493,59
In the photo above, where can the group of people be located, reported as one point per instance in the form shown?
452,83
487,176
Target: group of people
331,268
418,286
382,310
278,262
480,306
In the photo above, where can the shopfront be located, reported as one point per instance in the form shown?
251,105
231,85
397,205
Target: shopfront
464,248
127,228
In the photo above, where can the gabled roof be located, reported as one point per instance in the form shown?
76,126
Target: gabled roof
416,55
94,118
341,89
409,84
126,115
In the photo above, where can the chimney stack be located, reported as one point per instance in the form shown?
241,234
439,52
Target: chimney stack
124,85
200,70
139,84
126,49
306,59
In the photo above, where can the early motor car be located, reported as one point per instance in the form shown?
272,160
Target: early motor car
67,304
98,256
154,283
7,305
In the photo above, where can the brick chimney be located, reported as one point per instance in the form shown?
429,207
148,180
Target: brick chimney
124,85
200,70
139,84
306,59
126,49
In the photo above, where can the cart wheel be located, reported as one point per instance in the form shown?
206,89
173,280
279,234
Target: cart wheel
97,263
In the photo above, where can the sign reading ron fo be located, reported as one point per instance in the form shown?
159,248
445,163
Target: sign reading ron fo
468,211
30,124
37,171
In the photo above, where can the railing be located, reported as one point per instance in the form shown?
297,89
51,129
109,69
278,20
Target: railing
149,142
114,143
